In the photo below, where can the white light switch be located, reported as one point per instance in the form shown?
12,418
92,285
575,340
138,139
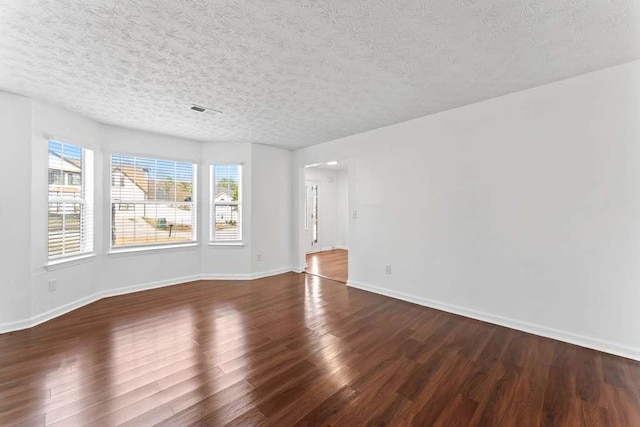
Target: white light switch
354,215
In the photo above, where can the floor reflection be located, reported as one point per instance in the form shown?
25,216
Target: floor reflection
316,318
332,264
168,353
287,349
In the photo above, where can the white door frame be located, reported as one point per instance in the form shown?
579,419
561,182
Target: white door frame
308,217
300,254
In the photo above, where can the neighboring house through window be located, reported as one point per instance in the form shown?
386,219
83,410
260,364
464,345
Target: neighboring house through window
226,203
151,201
70,208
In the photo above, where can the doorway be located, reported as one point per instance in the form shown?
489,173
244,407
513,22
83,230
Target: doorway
311,215
324,230
332,264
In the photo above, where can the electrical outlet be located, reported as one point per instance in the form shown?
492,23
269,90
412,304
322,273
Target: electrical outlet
53,285
259,257
387,269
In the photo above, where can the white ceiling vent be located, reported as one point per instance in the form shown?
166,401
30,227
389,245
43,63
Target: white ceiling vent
206,110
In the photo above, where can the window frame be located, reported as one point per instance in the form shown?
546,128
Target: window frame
87,200
133,248
213,204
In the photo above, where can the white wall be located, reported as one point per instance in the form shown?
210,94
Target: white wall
24,296
77,281
227,261
15,207
522,210
343,209
271,213
106,273
328,207
174,265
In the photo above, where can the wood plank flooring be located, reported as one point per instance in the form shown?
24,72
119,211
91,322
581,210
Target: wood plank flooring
297,349
333,264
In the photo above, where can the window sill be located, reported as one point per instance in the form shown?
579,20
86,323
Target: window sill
227,244
70,261
141,250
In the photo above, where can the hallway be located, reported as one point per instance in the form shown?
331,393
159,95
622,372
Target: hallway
333,264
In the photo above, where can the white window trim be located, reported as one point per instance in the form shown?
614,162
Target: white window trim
227,243
212,204
140,249
87,242
69,261
155,247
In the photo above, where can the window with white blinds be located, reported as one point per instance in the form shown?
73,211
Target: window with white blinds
226,203
70,208
152,201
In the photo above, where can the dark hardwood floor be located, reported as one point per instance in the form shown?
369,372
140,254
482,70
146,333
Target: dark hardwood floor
333,264
297,349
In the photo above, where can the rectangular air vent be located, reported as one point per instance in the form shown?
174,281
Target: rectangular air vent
201,109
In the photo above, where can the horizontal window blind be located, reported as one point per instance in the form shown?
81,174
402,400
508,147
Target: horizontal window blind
70,207
226,203
152,201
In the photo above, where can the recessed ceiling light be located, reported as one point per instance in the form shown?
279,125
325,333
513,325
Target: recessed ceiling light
206,110
313,165
332,163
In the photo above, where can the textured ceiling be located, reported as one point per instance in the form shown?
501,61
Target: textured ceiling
298,72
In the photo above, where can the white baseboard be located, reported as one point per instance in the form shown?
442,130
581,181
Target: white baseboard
15,326
569,337
56,312
225,277
59,311
326,248
66,308
48,315
252,276
147,286
274,272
